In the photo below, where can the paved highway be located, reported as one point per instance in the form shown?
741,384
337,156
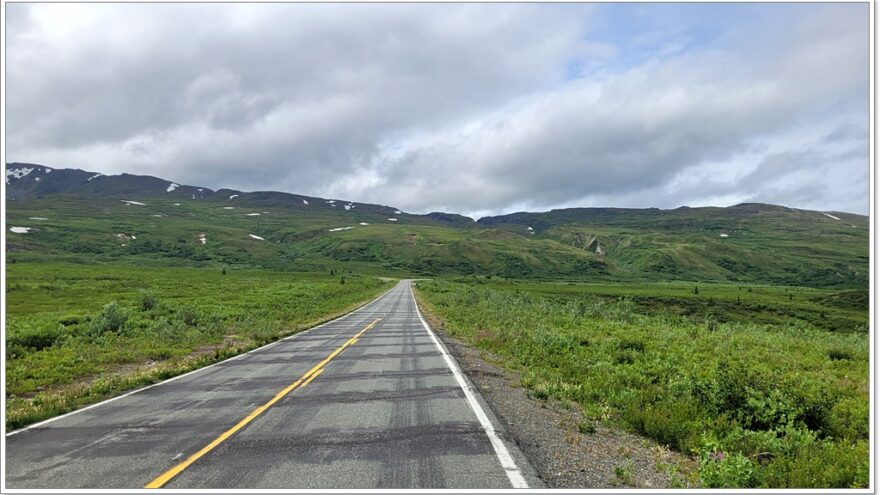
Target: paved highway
370,400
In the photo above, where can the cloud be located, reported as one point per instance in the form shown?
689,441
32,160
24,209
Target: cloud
466,108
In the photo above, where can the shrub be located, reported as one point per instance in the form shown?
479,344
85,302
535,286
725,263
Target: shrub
34,337
839,355
726,470
148,300
586,427
822,464
849,419
190,316
671,422
631,345
711,323
111,319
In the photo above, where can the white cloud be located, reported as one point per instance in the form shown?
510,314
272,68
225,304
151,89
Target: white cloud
468,108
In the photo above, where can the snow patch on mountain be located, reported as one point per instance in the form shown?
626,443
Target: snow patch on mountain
172,187
18,173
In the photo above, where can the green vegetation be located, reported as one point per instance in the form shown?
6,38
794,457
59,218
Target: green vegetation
79,333
760,397
736,335
765,244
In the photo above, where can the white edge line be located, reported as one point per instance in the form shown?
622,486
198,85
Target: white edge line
203,368
517,480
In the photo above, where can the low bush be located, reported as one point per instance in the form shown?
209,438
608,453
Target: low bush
757,405
148,300
111,319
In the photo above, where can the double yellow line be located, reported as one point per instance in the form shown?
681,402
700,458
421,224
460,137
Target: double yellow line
304,380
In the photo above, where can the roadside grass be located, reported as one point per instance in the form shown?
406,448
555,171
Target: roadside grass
756,404
76,334
839,310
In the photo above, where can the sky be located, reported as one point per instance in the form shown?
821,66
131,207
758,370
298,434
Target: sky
477,109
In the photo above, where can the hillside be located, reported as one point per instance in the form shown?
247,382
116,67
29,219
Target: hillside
75,215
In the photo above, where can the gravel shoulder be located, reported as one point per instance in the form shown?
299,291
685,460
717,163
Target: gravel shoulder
547,432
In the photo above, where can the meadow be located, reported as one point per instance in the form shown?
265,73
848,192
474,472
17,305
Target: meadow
76,334
761,396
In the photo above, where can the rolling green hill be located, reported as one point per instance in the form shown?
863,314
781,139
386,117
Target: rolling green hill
83,217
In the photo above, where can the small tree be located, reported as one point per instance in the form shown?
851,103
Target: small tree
696,290
224,270
342,280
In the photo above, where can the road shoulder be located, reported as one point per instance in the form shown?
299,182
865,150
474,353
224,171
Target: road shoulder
546,432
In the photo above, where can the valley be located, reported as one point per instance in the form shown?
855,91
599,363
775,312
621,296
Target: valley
738,333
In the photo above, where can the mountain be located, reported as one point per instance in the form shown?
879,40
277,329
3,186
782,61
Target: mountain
83,216
28,180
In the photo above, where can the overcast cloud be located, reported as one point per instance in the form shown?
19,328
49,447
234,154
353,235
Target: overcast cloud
476,109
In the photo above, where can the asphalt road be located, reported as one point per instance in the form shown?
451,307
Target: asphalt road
370,400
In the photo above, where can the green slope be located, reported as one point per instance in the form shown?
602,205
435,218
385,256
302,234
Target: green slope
746,243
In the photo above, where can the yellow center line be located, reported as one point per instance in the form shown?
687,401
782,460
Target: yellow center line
304,380
312,378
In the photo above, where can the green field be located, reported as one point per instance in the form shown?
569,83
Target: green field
79,333
761,393
768,245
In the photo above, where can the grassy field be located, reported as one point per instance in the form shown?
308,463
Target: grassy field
761,396
764,245
76,334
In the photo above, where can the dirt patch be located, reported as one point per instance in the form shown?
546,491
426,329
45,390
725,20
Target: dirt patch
547,433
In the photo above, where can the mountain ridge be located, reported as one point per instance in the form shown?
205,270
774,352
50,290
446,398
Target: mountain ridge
76,181
75,214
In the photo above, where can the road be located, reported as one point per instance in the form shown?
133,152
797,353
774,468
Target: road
370,400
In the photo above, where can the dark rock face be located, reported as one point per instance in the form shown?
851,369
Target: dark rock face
450,218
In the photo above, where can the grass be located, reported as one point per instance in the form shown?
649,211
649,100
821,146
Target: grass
76,334
782,404
765,246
